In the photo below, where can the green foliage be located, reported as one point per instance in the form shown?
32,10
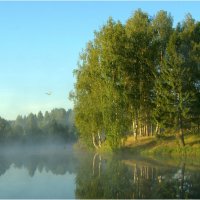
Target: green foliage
58,123
141,77
5,128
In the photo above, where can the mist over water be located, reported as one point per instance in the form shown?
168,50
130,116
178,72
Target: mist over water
55,170
31,147
37,170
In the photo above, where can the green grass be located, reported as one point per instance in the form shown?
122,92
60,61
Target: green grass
105,148
152,146
164,146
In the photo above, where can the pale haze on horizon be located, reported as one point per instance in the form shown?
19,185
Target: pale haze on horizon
40,44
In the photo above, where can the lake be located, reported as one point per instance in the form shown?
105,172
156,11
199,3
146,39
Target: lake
56,171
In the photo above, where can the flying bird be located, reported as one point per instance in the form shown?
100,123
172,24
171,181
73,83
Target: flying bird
48,93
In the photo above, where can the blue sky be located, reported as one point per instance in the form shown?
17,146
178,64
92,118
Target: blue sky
40,44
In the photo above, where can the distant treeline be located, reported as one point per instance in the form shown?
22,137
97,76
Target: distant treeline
58,123
141,77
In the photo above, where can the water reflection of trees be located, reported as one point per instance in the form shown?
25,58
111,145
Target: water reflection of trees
57,163
110,177
113,179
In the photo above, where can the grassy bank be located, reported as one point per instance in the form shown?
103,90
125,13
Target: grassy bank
163,146
151,146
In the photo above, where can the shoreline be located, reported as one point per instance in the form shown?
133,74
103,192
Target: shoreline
167,146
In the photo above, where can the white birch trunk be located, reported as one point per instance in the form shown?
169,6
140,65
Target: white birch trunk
99,137
94,142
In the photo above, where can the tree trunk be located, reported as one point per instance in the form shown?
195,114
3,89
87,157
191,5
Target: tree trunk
136,129
99,139
151,132
140,129
133,128
147,130
94,142
180,134
157,129
180,137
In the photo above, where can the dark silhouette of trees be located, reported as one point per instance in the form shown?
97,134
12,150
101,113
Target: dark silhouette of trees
58,124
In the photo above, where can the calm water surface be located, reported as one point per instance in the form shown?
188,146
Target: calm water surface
58,172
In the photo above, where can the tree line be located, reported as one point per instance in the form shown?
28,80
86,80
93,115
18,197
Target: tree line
140,78
57,123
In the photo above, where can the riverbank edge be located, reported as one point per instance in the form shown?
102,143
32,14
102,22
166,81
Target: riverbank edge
152,146
164,146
